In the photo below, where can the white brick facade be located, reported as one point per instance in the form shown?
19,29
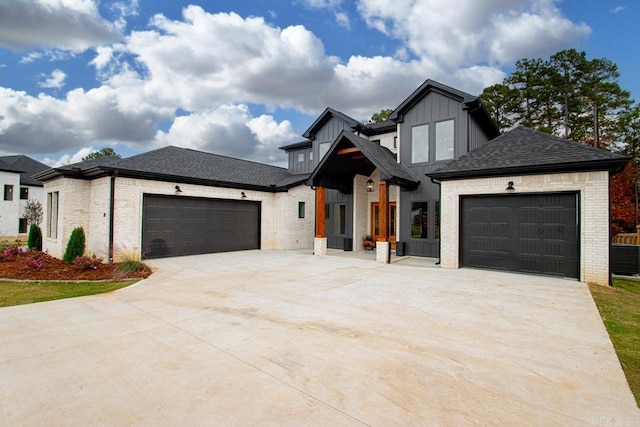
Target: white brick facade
593,189
9,209
86,203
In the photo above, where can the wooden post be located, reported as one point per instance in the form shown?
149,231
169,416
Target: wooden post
383,219
320,202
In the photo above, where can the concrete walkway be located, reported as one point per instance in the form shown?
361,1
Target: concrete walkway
286,338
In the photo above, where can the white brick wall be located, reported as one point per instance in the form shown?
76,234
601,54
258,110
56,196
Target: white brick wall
86,203
593,188
9,209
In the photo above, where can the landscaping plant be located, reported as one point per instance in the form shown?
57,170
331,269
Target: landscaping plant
75,246
87,263
35,238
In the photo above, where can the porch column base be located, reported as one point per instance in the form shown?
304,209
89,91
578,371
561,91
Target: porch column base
320,246
383,253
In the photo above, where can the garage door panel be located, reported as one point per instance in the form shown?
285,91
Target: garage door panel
178,225
525,233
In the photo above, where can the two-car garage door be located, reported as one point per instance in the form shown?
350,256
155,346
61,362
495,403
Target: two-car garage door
531,233
178,225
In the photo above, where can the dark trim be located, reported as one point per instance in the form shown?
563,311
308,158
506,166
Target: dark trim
612,165
112,210
303,144
439,184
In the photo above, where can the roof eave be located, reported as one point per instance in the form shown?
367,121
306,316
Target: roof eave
613,165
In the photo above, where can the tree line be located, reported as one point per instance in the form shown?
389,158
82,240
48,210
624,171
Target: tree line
580,99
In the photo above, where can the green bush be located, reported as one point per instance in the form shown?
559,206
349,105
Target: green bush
75,247
35,238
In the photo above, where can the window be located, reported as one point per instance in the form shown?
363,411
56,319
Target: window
340,218
24,193
376,141
22,225
8,192
419,219
444,140
311,155
420,144
52,214
437,221
300,157
300,209
395,142
323,149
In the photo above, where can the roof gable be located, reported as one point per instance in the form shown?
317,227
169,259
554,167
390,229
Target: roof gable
524,150
326,115
351,155
471,103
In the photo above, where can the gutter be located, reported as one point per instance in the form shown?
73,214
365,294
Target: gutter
112,208
439,184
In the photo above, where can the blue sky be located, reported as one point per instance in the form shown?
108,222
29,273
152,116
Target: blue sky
242,78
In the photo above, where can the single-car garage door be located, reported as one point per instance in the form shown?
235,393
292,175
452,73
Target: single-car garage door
177,225
532,233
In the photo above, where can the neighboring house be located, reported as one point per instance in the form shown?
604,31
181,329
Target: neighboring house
434,179
18,186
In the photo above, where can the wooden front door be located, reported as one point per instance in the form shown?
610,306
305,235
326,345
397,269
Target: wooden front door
375,214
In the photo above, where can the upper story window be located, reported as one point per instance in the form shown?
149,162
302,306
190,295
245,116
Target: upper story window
8,192
323,149
444,140
300,157
420,144
24,193
432,143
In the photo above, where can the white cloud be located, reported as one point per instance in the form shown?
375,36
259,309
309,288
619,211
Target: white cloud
67,159
343,20
232,131
54,81
494,31
321,4
618,9
73,25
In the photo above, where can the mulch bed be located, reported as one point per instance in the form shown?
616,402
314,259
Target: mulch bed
20,267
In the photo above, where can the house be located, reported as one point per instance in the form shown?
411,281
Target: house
18,186
434,180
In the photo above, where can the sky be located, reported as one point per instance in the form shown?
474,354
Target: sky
242,78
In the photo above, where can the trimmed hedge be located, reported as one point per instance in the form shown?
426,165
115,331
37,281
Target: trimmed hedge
35,238
75,247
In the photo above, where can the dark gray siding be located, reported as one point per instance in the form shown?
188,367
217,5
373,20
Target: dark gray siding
477,137
327,134
431,109
304,166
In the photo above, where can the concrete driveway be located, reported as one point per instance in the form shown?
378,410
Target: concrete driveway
286,338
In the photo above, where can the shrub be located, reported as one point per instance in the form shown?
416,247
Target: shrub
35,238
75,246
34,260
9,252
87,263
130,263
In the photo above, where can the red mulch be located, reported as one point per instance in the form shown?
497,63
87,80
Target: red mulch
14,267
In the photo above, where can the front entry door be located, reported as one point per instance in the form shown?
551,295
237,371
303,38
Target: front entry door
375,215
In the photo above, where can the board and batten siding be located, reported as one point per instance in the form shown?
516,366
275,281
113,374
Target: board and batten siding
433,108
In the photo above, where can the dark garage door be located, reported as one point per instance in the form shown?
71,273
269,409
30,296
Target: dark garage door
177,225
536,233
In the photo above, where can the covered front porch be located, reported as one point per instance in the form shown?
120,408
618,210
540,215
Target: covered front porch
368,179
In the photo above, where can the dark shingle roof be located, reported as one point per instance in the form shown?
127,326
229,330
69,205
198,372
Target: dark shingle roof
27,168
525,151
185,165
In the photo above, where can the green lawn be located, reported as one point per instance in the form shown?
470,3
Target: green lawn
620,310
17,293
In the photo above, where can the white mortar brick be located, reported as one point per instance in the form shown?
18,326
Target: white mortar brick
593,188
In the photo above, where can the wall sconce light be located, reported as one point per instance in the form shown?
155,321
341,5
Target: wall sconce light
243,196
370,186
510,186
178,190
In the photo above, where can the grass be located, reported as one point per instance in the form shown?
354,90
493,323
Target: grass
18,293
619,307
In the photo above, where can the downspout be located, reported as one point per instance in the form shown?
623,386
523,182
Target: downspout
438,183
112,208
609,232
